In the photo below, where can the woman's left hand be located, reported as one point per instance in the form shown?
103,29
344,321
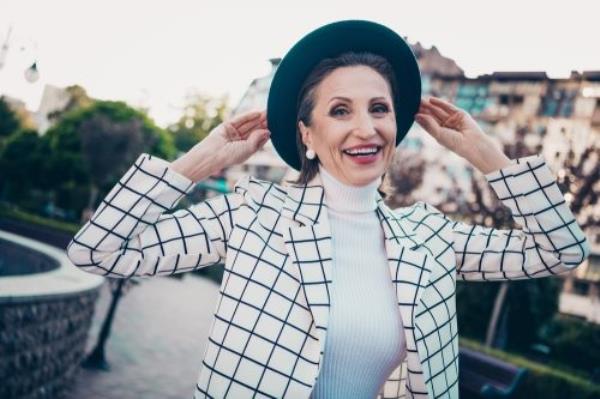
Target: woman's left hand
456,130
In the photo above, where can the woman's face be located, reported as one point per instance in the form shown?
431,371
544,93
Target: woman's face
353,125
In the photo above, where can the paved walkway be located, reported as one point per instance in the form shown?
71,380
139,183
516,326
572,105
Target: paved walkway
157,340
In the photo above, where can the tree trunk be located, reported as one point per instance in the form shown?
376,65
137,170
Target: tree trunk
89,210
496,313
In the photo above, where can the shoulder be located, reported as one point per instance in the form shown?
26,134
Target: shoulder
421,213
426,221
258,192
428,208
263,201
419,208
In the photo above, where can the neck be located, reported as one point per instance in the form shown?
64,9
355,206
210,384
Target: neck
343,197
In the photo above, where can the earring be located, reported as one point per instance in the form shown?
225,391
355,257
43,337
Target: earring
310,154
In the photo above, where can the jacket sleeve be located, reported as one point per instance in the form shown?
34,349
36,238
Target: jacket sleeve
132,234
550,241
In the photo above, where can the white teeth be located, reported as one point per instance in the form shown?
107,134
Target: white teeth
362,151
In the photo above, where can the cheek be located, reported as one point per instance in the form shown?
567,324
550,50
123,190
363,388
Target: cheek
390,129
387,127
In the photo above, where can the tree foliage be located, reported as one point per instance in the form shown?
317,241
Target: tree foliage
9,122
91,147
201,114
22,161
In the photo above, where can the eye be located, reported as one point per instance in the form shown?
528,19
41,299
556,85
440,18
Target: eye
338,111
380,108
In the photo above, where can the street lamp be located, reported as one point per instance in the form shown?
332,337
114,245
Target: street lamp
32,74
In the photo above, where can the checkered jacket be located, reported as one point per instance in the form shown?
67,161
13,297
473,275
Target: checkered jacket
268,332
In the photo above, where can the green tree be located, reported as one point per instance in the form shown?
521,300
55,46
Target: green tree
22,161
201,114
574,342
9,122
93,146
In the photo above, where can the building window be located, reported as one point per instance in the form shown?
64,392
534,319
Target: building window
472,98
558,102
510,99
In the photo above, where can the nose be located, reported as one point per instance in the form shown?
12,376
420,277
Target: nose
364,126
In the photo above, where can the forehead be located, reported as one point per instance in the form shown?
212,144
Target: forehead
353,82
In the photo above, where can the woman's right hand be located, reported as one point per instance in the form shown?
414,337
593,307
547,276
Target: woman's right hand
230,143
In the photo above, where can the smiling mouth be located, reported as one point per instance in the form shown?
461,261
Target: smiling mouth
363,152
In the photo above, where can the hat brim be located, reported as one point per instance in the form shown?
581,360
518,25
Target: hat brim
329,41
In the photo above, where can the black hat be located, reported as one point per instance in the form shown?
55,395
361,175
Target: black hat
330,41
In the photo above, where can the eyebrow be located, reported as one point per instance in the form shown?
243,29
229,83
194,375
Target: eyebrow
349,100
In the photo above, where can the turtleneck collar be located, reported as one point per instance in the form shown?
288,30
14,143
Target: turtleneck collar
342,197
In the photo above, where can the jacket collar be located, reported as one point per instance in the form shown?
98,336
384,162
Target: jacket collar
305,204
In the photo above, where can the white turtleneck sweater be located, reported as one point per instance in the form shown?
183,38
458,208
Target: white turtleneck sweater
365,340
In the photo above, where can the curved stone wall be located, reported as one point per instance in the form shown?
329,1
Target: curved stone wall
44,322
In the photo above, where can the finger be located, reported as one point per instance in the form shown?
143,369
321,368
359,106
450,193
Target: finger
445,105
436,111
232,133
260,137
263,141
454,121
427,111
239,120
252,124
424,103
429,123
249,127
430,112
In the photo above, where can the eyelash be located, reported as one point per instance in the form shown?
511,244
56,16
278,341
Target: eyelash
384,108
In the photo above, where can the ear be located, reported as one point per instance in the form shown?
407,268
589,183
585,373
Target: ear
305,134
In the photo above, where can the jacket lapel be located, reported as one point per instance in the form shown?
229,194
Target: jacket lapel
408,266
309,244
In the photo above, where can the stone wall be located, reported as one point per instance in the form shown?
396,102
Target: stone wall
42,342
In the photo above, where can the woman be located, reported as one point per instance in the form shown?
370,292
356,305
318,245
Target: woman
349,92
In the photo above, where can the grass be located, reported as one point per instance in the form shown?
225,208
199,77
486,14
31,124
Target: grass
17,214
535,367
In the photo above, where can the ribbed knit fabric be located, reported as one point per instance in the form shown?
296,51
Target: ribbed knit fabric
365,339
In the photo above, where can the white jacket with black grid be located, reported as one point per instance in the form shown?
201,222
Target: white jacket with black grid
267,337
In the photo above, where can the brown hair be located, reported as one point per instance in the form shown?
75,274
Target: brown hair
306,99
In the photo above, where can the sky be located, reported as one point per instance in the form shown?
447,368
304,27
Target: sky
152,53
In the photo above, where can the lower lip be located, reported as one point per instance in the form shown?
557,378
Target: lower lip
364,159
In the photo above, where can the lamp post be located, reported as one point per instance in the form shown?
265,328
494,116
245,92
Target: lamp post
4,49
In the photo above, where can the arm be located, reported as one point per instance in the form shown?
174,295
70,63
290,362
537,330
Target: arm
131,233
550,241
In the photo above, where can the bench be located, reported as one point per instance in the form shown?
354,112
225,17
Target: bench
483,376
